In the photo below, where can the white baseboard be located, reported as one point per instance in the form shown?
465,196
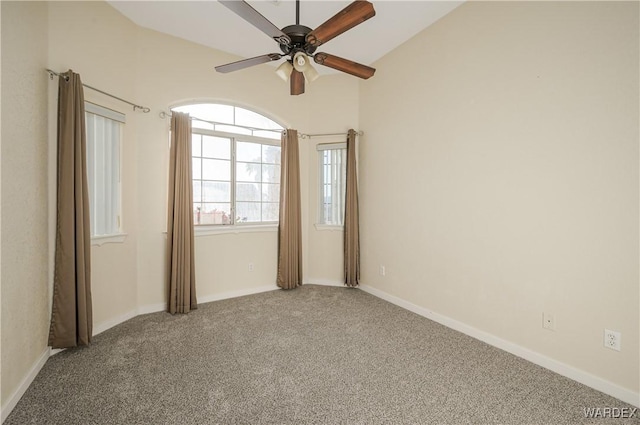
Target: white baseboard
560,368
235,294
325,282
24,385
101,327
563,369
154,308
151,308
108,324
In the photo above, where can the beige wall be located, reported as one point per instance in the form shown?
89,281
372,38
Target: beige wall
339,106
172,71
98,43
161,71
25,296
158,71
1,397
499,173
499,176
325,245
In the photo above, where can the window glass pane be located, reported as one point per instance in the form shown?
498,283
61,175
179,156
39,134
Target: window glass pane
216,169
270,192
271,154
216,191
252,119
201,124
249,152
270,211
209,112
275,135
332,185
248,172
271,173
196,145
248,211
232,129
196,164
215,213
248,192
216,147
114,195
103,173
197,208
197,191
91,169
326,207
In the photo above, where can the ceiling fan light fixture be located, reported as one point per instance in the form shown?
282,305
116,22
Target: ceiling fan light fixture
300,62
284,70
310,73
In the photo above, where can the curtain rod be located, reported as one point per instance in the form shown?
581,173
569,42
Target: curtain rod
309,136
142,108
164,115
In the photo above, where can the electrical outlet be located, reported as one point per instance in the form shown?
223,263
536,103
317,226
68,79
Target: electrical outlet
549,321
250,267
383,271
613,340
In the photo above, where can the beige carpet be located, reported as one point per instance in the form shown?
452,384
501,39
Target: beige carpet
313,355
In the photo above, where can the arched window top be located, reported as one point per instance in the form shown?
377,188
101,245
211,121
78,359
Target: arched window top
231,119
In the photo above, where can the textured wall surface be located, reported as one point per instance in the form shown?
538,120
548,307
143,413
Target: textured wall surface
499,176
25,265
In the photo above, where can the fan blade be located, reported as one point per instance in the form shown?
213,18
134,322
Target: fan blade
344,65
352,15
246,63
297,82
249,14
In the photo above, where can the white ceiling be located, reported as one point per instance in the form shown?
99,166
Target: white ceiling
211,24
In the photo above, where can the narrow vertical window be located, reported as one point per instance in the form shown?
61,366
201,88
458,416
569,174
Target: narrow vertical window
104,134
332,164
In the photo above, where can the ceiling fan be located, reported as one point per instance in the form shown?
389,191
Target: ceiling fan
299,43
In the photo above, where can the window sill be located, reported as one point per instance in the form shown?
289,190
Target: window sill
233,229
330,227
103,239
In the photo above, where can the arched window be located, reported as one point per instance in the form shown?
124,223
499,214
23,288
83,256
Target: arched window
236,165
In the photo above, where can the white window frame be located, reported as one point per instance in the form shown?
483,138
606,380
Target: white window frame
235,227
118,236
320,224
218,130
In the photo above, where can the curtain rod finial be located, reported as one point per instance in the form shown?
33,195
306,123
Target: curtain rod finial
142,108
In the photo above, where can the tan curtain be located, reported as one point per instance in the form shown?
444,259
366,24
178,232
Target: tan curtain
181,273
290,227
351,224
71,316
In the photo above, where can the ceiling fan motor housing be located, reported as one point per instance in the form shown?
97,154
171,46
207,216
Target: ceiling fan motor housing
298,34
